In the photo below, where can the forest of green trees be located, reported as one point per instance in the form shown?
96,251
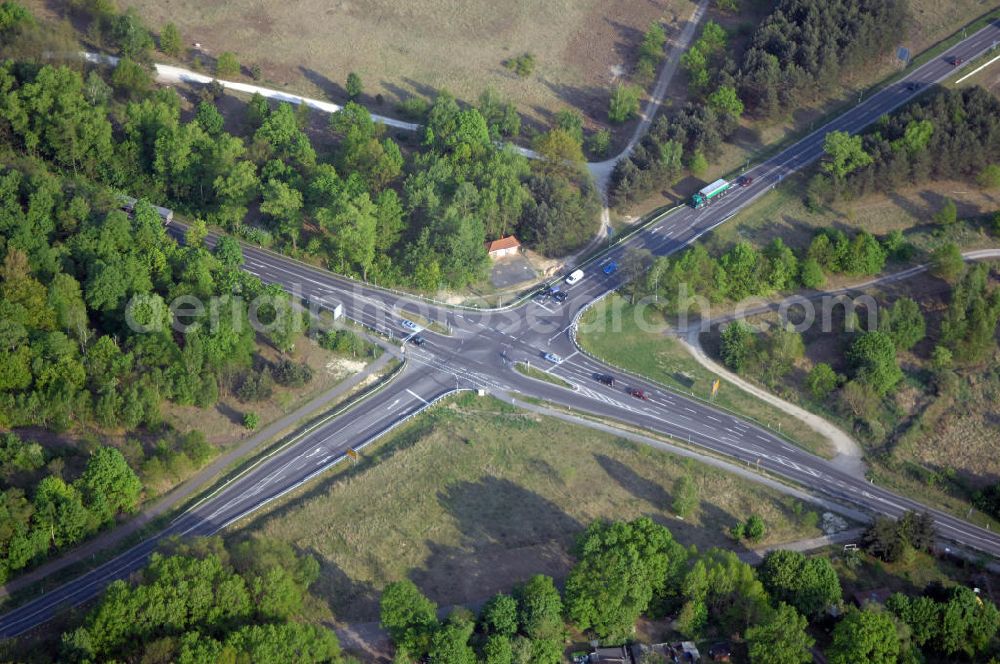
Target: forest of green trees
411,214
89,342
625,570
947,134
796,54
202,603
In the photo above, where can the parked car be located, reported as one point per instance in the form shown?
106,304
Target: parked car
552,357
744,181
610,267
574,276
559,296
409,324
417,340
638,394
606,379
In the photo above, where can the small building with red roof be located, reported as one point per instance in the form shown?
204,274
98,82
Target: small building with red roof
505,246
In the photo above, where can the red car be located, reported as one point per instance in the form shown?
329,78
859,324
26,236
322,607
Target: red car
638,394
744,181
956,61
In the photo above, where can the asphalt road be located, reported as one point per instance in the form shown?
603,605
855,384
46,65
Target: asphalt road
477,349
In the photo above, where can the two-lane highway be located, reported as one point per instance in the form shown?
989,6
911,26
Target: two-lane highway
478,352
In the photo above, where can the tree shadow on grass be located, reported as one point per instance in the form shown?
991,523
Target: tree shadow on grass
509,534
333,91
712,520
349,600
634,483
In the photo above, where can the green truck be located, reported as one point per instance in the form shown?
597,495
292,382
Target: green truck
710,193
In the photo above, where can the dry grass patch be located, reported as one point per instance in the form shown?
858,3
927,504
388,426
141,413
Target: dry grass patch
404,48
475,496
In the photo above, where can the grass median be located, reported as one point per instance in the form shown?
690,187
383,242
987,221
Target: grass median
652,353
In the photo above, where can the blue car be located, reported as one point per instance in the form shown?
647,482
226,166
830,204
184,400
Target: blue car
610,267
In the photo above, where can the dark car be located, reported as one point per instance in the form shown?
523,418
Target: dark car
744,181
606,379
559,296
912,86
638,394
417,340
956,61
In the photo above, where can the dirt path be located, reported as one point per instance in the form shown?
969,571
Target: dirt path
601,170
165,503
849,454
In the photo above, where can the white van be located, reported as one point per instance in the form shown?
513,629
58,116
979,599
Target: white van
574,276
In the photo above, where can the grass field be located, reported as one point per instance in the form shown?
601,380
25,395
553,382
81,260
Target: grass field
474,496
656,355
401,49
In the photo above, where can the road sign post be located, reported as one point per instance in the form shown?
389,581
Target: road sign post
353,454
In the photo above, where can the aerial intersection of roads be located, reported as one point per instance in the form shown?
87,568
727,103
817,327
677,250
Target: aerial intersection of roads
481,347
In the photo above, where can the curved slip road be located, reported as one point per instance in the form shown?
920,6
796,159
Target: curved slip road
482,347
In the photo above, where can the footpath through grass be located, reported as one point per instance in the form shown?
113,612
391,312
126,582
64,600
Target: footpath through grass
652,353
474,496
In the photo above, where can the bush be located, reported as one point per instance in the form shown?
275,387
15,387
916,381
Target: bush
821,381
811,274
251,421
194,445
343,341
522,65
414,108
624,104
755,528
599,143
227,64
292,374
738,531
947,262
170,40
948,214
685,496
353,87
130,79
989,177
256,386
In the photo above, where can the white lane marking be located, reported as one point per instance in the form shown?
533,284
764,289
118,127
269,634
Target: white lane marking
714,419
417,396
